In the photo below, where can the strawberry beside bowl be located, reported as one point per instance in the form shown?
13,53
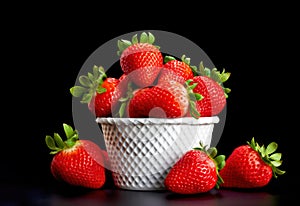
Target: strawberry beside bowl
142,150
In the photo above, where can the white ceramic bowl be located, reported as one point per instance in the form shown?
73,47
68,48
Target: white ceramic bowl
142,150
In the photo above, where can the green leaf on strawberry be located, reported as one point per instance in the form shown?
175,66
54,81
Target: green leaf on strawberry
176,69
98,91
183,58
193,98
124,100
144,38
218,160
90,84
56,144
268,156
217,76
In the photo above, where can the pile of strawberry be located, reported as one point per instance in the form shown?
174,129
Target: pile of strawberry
153,85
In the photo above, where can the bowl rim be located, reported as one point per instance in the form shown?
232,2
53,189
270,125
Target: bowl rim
160,121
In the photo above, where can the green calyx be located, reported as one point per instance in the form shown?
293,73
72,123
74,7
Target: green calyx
218,160
193,98
90,84
56,143
144,38
124,100
169,58
217,76
183,58
268,156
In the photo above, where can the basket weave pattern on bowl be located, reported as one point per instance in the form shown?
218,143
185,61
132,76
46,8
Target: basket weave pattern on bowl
142,150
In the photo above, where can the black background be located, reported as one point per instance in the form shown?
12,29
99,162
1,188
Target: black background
44,51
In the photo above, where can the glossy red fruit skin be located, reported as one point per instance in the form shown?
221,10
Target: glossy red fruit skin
175,70
244,168
214,100
124,78
103,105
165,100
81,165
194,173
142,63
146,99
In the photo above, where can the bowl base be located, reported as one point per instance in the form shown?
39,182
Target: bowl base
139,183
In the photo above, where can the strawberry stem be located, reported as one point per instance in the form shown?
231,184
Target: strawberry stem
183,58
144,38
124,100
90,84
168,58
193,98
186,59
56,143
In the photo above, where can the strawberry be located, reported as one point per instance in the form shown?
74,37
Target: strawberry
100,92
251,166
178,70
213,100
196,171
209,85
124,78
167,99
140,60
76,162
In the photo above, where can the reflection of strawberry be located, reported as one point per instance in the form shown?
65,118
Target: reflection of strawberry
195,172
100,92
140,60
76,162
167,99
123,78
178,70
251,166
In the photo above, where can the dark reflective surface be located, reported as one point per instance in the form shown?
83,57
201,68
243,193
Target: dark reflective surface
59,194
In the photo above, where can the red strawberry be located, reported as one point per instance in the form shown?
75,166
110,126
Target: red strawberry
168,99
140,60
195,172
213,101
124,78
177,70
100,92
209,85
76,162
251,166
